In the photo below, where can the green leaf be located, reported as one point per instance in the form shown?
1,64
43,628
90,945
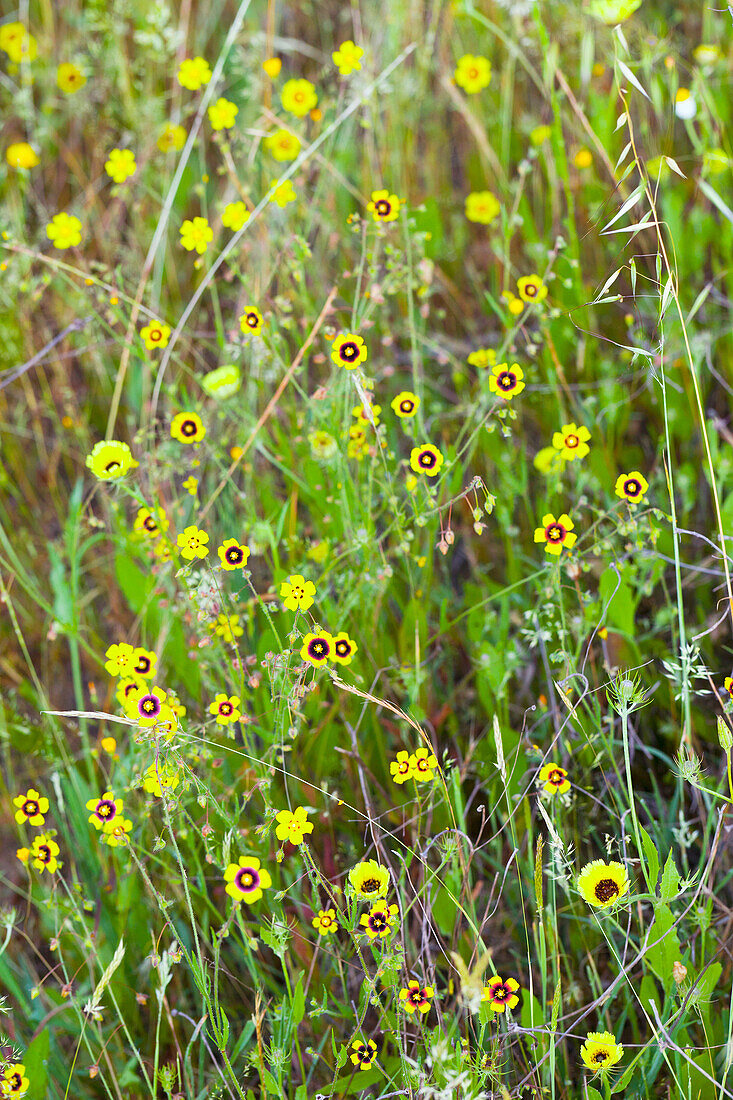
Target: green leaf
593,1094
270,1083
670,880
298,1002
652,857
661,956
618,600
35,1061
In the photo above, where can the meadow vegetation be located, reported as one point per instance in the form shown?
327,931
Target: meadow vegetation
366,518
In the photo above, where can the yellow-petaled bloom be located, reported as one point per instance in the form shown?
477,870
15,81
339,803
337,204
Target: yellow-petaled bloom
104,810
193,543
631,487
284,193
155,335
143,663
384,207
422,763
222,114
482,358
70,78
317,648
501,994
226,709
378,922
21,155
272,66
246,879
506,381
234,216
416,997
227,627
600,1051
514,305
282,145
344,648
556,533
126,687
14,1082
531,288
251,320
14,42
369,879
401,768
583,158
323,445
187,427
405,404
347,58
120,659
159,778
298,97
42,853
64,230
482,207
116,835
196,235
572,442
325,923
363,1054
30,807
554,779
171,137
348,350
191,485
359,412
120,165
194,72
473,74
293,826
728,685
602,884
147,706
233,555
150,522
426,459
110,459
297,593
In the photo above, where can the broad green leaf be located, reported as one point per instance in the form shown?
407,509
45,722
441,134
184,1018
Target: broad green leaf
670,880
652,857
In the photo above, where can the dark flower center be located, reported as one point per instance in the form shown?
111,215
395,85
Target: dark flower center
155,334
556,777
318,648
15,1082
226,709
188,427
600,1056
632,487
383,207
571,441
370,885
113,465
43,853
377,922
252,320
149,524
407,405
530,290
106,809
234,555
343,648
416,996
30,808
149,705
427,460
499,993
555,532
143,665
506,380
247,880
349,351
606,889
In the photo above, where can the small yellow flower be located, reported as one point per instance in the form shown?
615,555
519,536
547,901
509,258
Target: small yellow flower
631,487
482,207
377,923
171,137
297,593
194,72
283,194
110,459
160,777
282,145
531,288
104,811
506,381
554,779
251,320
30,807
227,627
187,427
226,709
155,335
120,165
234,216
482,358
344,648
514,305
369,879
196,235
150,522
246,880
325,923
383,206
64,230
272,66
21,155
191,485
426,459
42,854
600,1051
192,543
401,768
317,648
233,555
120,659
422,763
14,1083
348,350
363,1054
556,533
294,826
501,994
116,835
405,404
298,97
583,158
602,884
416,997
70,78
572,442
222,114
473,74
14,41
347,58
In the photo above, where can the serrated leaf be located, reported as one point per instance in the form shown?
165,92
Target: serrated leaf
669,887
